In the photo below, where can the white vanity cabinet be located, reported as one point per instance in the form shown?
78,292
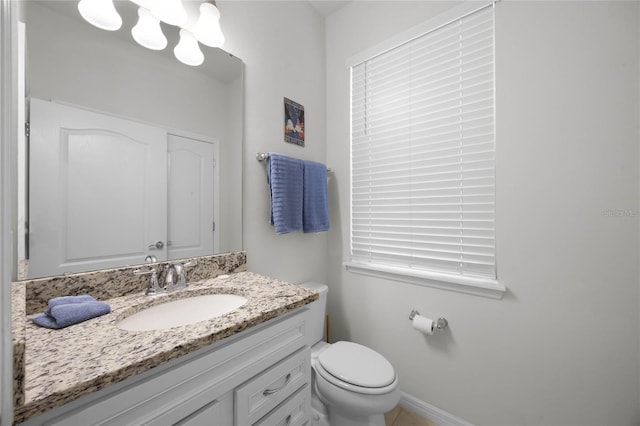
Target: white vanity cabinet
259,376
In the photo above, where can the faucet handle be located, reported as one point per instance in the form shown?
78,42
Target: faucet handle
182,275
190,263
180,270
169,280
175,276
145,270
154,285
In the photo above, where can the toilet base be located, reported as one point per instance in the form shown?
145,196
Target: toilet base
319,412
318,418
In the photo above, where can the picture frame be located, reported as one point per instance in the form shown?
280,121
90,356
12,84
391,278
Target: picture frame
293,122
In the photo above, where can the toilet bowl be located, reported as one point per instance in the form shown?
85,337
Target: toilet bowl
352,384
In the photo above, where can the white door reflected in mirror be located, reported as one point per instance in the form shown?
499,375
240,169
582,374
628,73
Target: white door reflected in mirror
99,195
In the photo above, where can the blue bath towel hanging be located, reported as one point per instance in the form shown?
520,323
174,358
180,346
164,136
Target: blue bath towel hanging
285,178
315,209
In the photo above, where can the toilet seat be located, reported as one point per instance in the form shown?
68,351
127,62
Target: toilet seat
356,368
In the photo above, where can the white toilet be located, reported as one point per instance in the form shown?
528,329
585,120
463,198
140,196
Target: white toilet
352,385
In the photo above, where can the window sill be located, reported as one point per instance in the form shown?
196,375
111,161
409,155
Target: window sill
468,285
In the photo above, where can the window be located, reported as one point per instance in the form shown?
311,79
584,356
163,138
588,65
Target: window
422,156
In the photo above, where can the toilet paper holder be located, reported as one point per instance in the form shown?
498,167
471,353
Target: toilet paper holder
441,323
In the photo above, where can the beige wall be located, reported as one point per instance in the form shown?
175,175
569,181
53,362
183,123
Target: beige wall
562,346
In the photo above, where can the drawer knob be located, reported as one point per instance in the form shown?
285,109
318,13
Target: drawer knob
278,389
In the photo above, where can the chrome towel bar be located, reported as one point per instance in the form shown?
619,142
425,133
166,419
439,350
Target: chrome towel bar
262,156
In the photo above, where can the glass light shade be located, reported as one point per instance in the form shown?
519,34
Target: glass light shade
187,50
170,11
147,31
207,29
100,13
147,4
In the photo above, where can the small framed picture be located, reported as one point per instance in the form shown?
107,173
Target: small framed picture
293,122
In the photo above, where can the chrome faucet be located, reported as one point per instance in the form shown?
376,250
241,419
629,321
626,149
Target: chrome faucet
170,277
176,275
154,286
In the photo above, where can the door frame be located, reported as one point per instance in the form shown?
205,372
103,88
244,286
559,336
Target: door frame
8,193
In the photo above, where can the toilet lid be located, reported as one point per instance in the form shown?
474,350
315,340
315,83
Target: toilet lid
357,365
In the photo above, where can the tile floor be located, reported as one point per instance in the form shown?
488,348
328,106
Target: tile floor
400,416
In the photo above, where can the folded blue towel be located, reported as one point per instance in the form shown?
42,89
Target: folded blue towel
285,178
64,315
315,217
65,300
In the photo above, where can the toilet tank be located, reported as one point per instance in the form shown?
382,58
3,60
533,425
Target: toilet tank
318,311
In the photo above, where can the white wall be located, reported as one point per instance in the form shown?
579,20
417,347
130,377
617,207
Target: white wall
282,46
562,347
231,218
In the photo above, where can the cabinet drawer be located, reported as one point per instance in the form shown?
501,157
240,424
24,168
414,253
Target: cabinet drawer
295,411
265,391
217,412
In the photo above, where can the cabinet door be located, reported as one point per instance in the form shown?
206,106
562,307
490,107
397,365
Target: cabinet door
97,190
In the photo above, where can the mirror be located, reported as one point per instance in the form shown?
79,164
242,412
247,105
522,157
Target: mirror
74,65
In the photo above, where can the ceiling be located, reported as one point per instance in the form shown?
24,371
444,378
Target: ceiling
327,7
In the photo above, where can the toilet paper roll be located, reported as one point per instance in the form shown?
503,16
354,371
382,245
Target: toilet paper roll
423,324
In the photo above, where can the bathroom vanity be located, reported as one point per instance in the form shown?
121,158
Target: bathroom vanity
250,366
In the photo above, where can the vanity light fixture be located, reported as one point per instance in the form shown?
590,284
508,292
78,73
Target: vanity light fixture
100,13
147,31
187,50
207,29
204,28
170,11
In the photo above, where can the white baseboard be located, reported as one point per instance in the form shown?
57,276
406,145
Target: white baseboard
430,412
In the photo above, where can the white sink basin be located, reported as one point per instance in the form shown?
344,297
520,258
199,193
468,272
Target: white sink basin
182,312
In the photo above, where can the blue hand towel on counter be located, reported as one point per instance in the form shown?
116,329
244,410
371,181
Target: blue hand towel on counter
65,300
285,178
66,314
315,208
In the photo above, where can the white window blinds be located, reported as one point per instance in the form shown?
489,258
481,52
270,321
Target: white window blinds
422,152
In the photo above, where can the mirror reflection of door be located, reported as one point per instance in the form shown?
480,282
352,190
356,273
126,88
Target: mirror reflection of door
190,211
98,191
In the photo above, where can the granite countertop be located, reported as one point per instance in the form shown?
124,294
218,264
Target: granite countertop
62,365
